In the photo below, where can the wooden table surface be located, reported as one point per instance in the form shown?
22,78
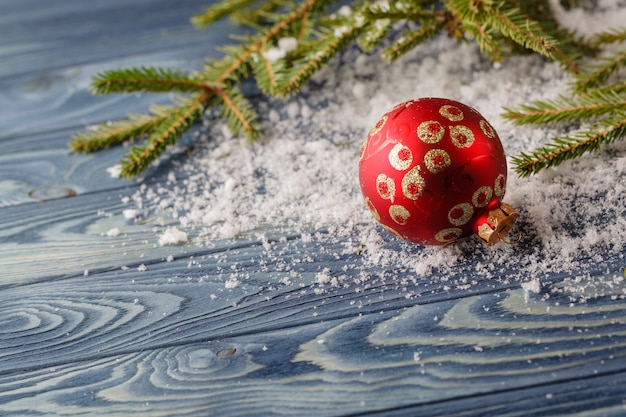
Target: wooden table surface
84,332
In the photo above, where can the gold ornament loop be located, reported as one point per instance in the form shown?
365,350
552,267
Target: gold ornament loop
511,242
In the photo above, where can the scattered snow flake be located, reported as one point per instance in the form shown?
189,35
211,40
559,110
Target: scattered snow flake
533,285
288,44
172,236
115,171
114,232
129,213
232,283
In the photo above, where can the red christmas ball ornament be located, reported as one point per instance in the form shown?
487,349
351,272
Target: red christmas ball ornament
433,171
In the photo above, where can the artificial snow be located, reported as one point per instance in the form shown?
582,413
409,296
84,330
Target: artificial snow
129,213
533,285
114,232
115,171
301,177
172,236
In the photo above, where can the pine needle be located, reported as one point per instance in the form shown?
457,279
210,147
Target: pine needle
170,128
325,50
609,37
584,106
109,134
148,79
602,72
570,147
238,113
516,26
411,39
373,34
218,11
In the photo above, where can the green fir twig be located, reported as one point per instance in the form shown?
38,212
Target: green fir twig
319,30
611,36
593,99
170,128
583,106
570,147
601,72
106,135
145,79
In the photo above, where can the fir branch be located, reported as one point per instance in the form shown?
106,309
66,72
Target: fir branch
485,40
482,18
616,88
565,148
148,79
242,59
238,113
218,11
609,37
378,12
585,106
320,36
374,33
170,128
570,47
516,26
268,70
324,49
258,17
601,72
106,135
412,38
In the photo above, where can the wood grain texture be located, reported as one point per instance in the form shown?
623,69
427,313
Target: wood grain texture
49,54
102,325
482,351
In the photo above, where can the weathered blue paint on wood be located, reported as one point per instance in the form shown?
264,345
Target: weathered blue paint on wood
172,340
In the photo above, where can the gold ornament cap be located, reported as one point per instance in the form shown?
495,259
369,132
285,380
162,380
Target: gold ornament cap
499,222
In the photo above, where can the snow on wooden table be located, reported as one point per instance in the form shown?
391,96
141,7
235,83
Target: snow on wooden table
98,318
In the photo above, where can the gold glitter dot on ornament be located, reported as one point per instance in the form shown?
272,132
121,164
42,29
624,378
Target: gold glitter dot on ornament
413,184
482,197
452,113
385,186
363,147
392,231
379,125
499,187
462,136
372,209
400,157
448,235
487,129
460,214
399,214
430,131
436,160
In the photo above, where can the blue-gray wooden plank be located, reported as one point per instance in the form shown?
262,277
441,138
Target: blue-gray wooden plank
174,340
50,50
